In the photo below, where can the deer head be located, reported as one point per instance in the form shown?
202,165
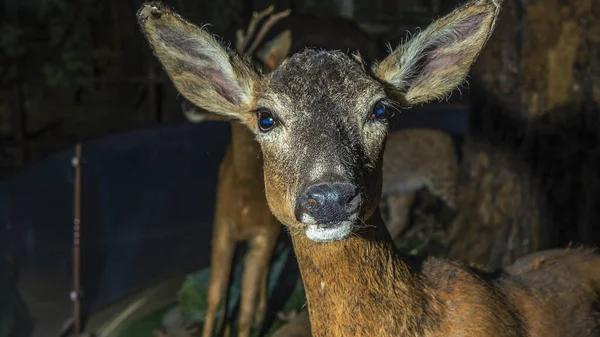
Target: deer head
321,117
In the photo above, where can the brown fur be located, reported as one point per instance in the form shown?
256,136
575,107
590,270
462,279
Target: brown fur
416,158
552,271
356,283
242,213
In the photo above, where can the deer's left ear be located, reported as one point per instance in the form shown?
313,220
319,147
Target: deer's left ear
203,71
438,59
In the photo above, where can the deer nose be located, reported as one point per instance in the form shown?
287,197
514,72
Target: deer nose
327,204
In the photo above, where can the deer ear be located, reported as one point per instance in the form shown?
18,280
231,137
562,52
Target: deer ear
202,70
438,59
273,52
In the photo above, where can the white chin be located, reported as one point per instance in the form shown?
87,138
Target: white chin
335,232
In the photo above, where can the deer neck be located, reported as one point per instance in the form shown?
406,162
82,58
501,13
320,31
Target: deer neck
360,286
247,156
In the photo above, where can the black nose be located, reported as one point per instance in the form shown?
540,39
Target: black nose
328,203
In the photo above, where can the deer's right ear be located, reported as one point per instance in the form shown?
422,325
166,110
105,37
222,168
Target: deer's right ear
201,69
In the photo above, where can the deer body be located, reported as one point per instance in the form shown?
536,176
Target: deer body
443,298
242,213
321,119
413,159
531,292
239,173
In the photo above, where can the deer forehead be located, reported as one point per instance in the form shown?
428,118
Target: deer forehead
326,84
324,100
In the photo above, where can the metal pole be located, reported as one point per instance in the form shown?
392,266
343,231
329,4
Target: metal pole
75,293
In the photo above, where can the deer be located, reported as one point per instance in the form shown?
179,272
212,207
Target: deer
321,119
337,34
413,159
241,211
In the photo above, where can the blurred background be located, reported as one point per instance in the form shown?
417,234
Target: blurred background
526,129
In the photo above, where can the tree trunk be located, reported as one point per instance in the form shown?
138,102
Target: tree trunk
531,169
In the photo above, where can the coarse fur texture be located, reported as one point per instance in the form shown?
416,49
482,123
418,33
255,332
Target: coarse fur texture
536,287
242,213
413,159
326,135
268,56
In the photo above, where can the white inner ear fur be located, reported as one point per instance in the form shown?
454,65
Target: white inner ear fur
413,52
218,56
437,60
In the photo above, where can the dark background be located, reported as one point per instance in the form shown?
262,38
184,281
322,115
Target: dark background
81,72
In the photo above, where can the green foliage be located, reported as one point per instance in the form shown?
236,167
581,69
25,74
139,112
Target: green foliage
193,295
296,302
144,326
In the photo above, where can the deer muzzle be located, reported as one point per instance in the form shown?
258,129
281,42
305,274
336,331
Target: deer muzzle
328,210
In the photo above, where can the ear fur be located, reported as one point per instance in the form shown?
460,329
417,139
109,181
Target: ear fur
203,71
437,60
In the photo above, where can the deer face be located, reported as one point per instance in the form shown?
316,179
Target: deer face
322,122
320,117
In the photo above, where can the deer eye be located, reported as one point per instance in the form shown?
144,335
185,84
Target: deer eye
382,111
379,111
266,121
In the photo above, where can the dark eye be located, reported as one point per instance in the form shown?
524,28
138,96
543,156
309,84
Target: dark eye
266,121
379,111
